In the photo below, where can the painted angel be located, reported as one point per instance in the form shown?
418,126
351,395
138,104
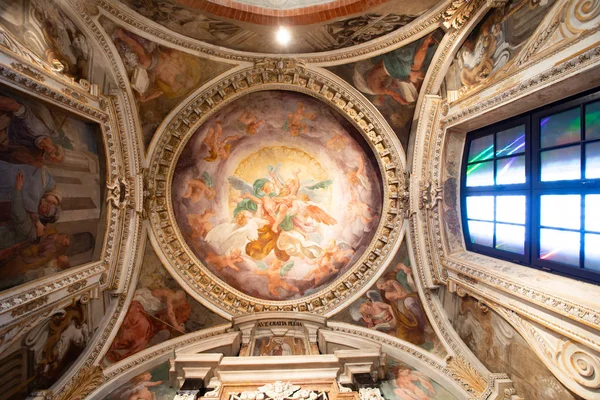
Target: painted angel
198,188
251,122
412,385
200,223
236,234
217,147
225,261
295,123
275,274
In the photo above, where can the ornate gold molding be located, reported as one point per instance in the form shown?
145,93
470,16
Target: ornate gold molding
269,75
82,384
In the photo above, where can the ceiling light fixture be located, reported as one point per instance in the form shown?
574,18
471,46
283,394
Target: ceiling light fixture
283,36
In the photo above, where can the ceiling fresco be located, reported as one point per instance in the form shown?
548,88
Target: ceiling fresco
392,81
276,195
160,77
315,31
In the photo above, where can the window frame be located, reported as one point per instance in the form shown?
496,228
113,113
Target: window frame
534,188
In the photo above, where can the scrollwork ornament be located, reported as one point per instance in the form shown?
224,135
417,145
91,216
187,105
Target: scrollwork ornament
459,12
580,364
466,373
118,193
580,16
82,384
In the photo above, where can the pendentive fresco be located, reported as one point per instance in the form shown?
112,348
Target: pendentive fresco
160,310
392,81
160,77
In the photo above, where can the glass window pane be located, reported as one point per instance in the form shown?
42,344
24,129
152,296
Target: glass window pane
592,252
480,207
592,212
592,160
482,149
510,141
481,174
592,120
510,171
510,238
561,164
510,209
482,233
561,128
560,246
561,211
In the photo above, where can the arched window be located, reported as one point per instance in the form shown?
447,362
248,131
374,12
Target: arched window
530,188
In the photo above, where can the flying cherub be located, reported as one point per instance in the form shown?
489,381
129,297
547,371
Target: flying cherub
251,122
334,257
196,188
358,177
217,147
275,273
338,142
294,121
200,223
227,261
412,384
358,209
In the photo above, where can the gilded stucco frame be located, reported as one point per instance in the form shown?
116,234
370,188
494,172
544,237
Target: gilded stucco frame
276,75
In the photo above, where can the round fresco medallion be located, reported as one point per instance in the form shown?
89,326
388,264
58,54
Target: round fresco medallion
277,195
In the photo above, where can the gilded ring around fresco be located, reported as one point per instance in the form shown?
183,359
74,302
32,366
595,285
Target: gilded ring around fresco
275,195
271,199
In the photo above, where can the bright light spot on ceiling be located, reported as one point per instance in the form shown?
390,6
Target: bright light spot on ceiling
283,36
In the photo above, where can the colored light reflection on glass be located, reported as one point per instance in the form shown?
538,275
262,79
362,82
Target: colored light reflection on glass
481,174
592,212
592,120
560,246
561,128
510,171
510,141
561,211
481,233
510,209
480,207
562,164
510,238
592,160
481,149
592,252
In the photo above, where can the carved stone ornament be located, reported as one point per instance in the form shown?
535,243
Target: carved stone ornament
118,193
463,369
27,70
176,133
83,383
370,394
279,390
430,195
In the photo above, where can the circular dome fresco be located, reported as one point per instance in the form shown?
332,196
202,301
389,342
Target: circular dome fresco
277,195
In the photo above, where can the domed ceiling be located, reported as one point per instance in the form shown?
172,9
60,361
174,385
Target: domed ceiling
250,25
276,195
